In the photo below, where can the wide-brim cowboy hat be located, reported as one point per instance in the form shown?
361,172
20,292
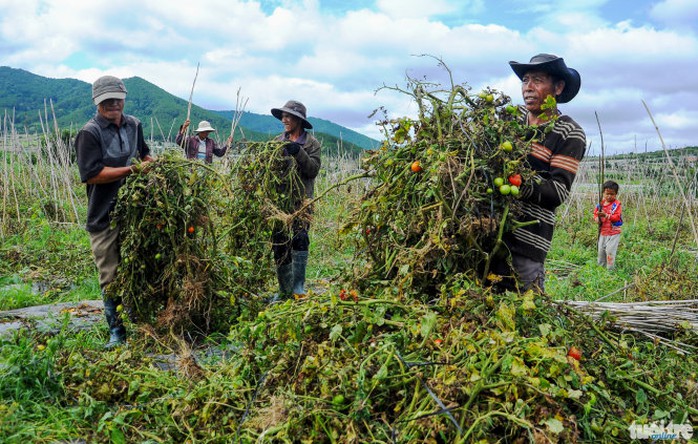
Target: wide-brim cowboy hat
204,125
294,108
555,66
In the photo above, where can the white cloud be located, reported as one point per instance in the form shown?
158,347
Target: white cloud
680,13
417,8
335,58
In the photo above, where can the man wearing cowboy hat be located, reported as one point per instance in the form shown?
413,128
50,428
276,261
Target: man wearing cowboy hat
303,150
106,146
558,147
200,146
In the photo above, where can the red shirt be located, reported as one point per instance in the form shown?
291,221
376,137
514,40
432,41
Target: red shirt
614,209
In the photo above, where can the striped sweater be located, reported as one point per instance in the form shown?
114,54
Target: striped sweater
555,156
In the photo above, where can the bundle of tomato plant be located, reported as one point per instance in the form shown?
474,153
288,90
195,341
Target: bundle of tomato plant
445,189
269,194
175,272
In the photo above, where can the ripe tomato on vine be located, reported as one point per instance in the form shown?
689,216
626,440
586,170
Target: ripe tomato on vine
515,179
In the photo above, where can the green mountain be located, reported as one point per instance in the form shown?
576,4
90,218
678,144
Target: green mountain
31,101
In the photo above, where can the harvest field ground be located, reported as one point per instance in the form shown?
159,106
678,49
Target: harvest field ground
361,358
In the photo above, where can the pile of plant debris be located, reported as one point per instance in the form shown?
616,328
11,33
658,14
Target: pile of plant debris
471,366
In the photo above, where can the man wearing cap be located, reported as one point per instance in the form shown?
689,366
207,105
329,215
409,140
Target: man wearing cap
558,147
303,151
106,148
200,146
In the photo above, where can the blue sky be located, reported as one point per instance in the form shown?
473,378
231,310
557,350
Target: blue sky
335,55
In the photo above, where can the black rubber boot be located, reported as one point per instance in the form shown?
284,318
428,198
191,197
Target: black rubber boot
300,261
117,331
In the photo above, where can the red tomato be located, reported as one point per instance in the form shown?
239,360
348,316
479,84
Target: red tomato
575,353
416,166
515,179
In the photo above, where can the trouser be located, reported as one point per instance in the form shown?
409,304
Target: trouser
105,250
291,258
607,248
531,274
524,273
282,244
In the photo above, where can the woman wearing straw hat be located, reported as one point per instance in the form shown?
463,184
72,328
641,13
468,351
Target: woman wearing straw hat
200,146
291,253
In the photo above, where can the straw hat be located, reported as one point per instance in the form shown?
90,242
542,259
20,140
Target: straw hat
204,125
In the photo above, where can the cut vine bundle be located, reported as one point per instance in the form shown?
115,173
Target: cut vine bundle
445,189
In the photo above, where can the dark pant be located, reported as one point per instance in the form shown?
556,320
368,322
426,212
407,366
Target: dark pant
282,244
523,274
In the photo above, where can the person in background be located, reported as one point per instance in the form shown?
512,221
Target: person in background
291,253
558,147
107,146
200,146
608,214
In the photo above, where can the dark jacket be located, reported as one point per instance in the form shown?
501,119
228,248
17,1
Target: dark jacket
307,160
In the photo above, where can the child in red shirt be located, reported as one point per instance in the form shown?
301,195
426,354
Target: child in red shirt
608,216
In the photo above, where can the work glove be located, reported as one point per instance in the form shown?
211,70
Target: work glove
292,148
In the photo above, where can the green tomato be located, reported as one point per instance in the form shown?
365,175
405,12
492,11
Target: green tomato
505,189
514,190
490,191
507,146
498,181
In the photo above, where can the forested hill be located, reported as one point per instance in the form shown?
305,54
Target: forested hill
28,100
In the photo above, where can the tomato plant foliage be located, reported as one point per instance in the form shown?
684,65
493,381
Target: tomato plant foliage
416,230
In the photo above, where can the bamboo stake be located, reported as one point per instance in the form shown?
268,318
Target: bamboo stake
191,95
648,318
676,176
5,173
64,163
239,109
602,172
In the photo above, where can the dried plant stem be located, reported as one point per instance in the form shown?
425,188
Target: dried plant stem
650,318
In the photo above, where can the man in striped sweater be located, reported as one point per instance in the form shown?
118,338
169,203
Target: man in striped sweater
557,150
